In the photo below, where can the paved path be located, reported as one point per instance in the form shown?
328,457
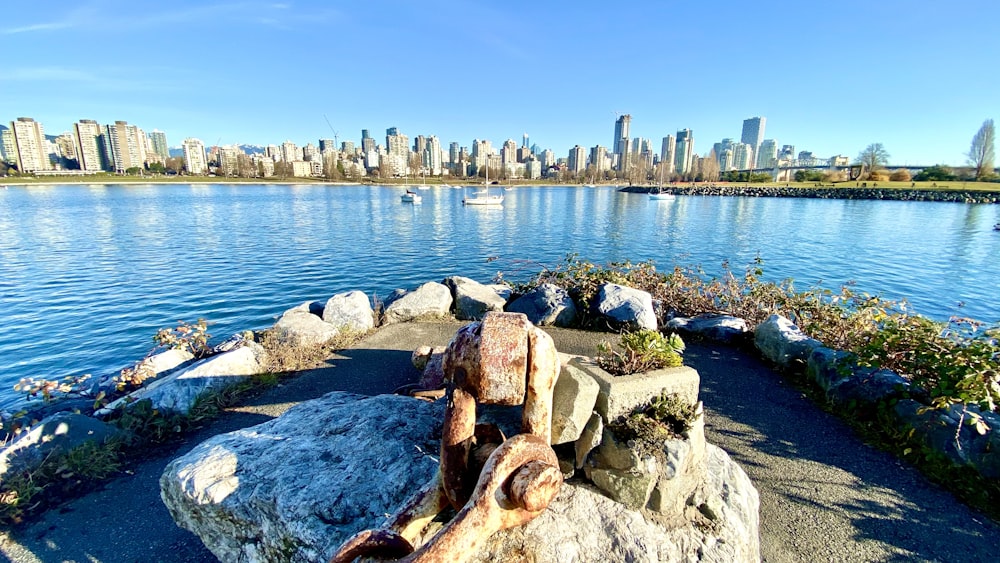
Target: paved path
825,496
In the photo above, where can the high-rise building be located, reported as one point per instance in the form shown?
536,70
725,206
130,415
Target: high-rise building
310,153
683,151
326,145
599,158
398,146
548,159
195,161
667,151
8,149
89,146
767,154
347,147
125,146
367,142
577,159
159,141
67,148
290,152
229,159
453,153
29,140
508,153
753,134
432,155
742,156
524,142
419,144
622,139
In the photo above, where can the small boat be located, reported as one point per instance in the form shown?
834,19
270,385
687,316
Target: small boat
996,227
410,197
482,196
660,195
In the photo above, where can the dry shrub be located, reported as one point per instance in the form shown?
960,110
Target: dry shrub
878,176
901,175
283,357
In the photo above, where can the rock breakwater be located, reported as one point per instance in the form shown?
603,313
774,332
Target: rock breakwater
953,195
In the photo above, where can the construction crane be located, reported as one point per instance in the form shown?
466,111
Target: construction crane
336,141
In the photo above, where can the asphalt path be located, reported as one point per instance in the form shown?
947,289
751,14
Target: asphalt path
825,495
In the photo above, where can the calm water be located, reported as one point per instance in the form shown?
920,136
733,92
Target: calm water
88,273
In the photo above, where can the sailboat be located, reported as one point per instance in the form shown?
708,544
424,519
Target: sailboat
483,196
659,193
410,197
423,182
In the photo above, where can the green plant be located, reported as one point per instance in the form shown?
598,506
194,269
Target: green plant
642,350
666,416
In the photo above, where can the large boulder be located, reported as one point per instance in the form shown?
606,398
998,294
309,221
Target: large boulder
347,461
472,300
351,311
299,327
573,400
723,328
178,391
54,435
626,307
546,305
782,342
430,300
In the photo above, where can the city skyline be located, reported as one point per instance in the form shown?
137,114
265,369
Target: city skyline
261,72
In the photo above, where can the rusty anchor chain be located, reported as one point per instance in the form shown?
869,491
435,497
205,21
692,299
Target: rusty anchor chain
493,482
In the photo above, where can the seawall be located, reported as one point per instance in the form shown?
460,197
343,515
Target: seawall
874,193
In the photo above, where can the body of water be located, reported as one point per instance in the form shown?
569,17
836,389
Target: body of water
88,273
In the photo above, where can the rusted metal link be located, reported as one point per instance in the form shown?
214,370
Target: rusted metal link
502,360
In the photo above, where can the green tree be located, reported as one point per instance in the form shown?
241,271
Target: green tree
936,173
157,168
808,176
873,158
981,153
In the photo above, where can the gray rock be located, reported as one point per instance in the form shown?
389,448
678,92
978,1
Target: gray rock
153,367
867,387
964,445
301,328
431,300
781,341
347,461
56,434
723,328
501,289
573,400
583,525
546,305
589,439
631,488
178,391
829,367
625,307
349,311
472,300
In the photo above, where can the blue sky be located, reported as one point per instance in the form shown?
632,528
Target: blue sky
831,77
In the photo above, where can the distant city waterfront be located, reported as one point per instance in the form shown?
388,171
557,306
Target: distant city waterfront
88,273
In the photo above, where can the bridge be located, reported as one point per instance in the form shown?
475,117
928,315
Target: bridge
786,169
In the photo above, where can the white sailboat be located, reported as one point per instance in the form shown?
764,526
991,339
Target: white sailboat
482,196
410,197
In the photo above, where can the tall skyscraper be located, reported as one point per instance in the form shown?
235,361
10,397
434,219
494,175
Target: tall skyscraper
684,150
767,154
367,142
89,146
508,153
453,153
432,155
194,156
127,146
397,145
29,140
327,145
159,141
577,159
621,140
753,134
525,141
599,158
667,151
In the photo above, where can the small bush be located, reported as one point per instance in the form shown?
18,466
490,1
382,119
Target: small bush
901,175
665,417
643,350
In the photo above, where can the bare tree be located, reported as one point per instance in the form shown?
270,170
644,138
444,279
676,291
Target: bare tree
710,167
981,151
873,158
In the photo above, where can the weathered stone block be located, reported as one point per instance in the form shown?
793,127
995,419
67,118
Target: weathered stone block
626,307
430,300
573,400
589,439
619,395
781,341
351,311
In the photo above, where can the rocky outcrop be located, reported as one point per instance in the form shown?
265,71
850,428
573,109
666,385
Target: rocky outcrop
625,307
430,300
859,191
472,300
546,305
348,461
782,342
57,434
351,311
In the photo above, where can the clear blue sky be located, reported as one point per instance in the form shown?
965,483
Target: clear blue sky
918,76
